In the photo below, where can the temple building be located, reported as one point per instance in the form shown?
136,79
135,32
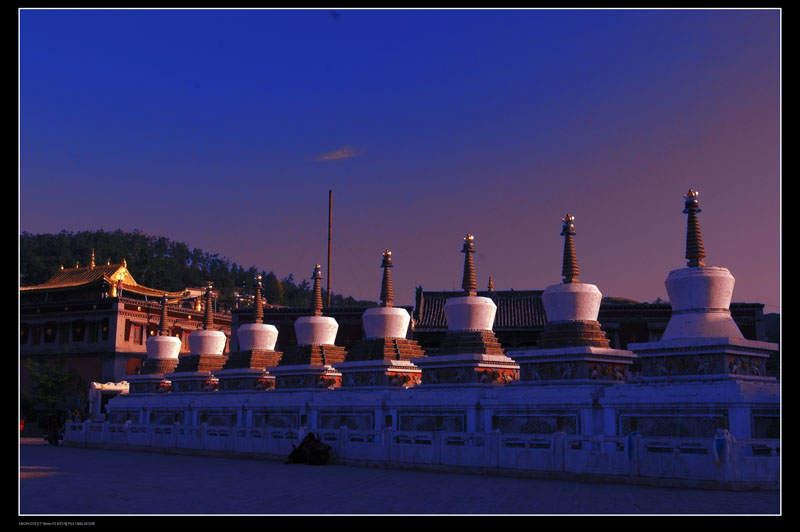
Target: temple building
97,320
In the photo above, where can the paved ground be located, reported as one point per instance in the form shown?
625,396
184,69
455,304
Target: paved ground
57,481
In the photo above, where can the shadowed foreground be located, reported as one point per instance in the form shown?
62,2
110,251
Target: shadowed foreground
65,480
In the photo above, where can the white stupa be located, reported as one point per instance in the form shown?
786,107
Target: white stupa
163,347
470,352
309,364
701,338
246,368
162,358
206,341
258,336
572,348
383,357
195,372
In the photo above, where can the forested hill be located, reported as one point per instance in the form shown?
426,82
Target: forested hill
158,262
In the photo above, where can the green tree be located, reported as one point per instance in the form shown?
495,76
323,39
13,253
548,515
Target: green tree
158,262
273,289
54,387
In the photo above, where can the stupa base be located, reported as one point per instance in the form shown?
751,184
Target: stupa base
704,358
192,381
306,376
159,366
379,373
578,333
315,355
574,365
148,383
467,369
244,380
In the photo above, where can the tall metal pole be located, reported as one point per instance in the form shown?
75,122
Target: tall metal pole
330,222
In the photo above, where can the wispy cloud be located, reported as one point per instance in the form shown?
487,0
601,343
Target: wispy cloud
345,152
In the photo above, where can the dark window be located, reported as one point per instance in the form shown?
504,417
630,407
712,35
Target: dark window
137,333
94,331
78,330
50,333
63,334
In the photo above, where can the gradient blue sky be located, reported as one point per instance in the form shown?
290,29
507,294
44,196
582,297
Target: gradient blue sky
225,129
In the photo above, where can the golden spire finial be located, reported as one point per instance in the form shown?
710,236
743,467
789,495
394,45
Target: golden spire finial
469,282
695,252
77,265
259,307
491,284
569,266
162,326
208,316
91,260
317,290
124,263
387,291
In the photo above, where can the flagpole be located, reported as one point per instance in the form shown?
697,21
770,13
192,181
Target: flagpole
330,221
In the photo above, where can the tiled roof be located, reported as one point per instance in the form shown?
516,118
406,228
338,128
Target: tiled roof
523,309
139,289
515,309
77,277
70,277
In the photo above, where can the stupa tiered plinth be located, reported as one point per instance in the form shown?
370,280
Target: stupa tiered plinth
701,340
195,372
573,348
470,352
309,364
246,369
162,358
383,358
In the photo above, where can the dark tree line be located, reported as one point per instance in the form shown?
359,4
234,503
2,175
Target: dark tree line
158,262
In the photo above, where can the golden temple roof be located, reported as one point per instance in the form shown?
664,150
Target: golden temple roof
92,274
